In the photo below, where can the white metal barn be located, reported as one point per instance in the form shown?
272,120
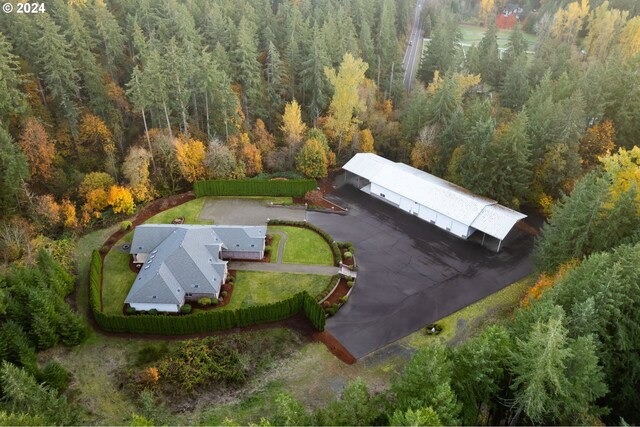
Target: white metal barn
447,205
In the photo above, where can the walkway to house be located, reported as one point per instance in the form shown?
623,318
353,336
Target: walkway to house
283,239
281,267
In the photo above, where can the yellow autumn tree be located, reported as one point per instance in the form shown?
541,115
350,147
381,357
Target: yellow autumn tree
486,10
568,22
121,200
68,213
605,26
624,169
190,155
630,38
136,170
293,127
366,142
346,101
96,202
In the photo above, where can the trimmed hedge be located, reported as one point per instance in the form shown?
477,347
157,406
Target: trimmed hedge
337,257
202,321
245,187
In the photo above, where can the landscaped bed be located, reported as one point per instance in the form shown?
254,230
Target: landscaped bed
259,287
304,246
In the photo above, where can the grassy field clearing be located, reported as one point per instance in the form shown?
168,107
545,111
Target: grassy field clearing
472,34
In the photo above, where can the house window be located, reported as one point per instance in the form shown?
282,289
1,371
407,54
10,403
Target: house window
253,246
237,245
154,297
195,286
382,195
188,294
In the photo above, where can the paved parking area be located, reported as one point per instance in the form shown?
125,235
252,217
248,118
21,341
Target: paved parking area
245,212
410,272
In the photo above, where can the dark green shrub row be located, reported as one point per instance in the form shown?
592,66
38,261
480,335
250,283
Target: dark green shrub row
201,321
332,282
337,257
293,188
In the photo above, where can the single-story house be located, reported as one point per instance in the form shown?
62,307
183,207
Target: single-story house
440,202
181,263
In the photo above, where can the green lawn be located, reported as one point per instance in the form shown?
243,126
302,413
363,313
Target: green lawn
258,287
304,246
190,211
84,248
275,244
472,34
117,278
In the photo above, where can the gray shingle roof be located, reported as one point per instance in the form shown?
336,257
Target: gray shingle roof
185,259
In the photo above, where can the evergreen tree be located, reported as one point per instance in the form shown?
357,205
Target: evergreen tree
442,53
13,171
426,382
490,66
12,100
245,62
515,85
55,66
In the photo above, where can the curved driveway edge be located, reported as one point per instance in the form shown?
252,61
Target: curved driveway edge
411,273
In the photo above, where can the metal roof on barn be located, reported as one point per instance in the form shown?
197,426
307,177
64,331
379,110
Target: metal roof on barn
442,196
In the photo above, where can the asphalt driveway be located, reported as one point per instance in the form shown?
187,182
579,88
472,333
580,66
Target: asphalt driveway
411,273
241,211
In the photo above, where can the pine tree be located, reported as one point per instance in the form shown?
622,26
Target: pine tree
55,66
245,62
12,100
13,171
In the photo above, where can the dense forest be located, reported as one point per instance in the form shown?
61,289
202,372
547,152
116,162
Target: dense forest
107,105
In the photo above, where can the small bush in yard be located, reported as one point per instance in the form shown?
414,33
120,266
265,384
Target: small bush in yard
151,353
126,225
350,283
202,361
55,375
348,255
186,308
153,311
204,301
231,279
215,301
344,299
130,310
224,293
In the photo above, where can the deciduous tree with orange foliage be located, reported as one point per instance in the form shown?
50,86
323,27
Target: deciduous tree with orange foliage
121,200
597,142
190,155
545,281
38,150
250,155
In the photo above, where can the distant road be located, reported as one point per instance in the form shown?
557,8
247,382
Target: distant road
412,54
